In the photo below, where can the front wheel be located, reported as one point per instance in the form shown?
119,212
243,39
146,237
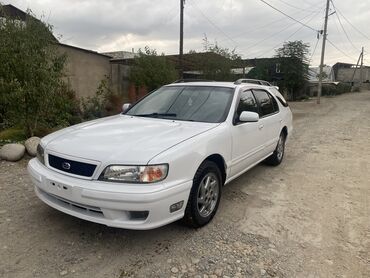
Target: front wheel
204,196
277,156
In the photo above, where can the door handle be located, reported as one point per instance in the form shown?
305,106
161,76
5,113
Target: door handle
261,126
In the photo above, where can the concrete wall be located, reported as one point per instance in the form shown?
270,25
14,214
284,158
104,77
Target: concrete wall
84,69
345,75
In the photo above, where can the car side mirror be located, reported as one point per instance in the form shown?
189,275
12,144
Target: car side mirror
125,107
276,87
248,116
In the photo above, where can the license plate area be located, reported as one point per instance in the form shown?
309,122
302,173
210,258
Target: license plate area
59,189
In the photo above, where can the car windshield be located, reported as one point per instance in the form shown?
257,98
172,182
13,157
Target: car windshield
186,103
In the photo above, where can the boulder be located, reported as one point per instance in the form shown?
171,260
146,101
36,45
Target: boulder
12,152
31,145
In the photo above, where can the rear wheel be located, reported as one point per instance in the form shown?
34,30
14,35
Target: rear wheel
204,195
277,157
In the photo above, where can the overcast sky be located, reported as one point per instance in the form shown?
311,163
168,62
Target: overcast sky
250,26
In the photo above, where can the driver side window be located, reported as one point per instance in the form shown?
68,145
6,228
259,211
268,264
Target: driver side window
247,103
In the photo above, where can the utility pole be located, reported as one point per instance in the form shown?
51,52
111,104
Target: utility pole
354,72
362,67
181,70
319,89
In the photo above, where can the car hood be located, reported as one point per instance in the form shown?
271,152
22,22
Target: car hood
122,139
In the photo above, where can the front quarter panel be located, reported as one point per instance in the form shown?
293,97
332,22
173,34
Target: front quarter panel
185,158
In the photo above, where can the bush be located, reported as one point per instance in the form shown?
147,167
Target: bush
333,90
13,135
104,103
32,91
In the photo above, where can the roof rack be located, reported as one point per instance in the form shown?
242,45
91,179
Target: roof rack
185,80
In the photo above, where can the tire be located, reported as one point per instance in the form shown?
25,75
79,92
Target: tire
204,195
277,157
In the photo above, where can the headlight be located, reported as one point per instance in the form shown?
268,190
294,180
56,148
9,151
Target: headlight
40,154
135,174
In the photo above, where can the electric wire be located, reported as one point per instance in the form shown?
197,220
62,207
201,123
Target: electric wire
295,7
212,23
341,51
269,24
344,30
314,50
277,33
291,35
292,18
354,27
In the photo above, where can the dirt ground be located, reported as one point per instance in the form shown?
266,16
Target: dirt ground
309,217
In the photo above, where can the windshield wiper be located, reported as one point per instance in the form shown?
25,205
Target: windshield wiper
156,115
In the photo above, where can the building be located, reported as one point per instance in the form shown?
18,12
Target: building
84,69
348,73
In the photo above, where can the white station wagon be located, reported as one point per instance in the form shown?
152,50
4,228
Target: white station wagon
164,158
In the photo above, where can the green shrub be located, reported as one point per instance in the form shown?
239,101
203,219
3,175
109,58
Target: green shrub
32,91
13,135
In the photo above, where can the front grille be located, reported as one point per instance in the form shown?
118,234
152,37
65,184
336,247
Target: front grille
71,166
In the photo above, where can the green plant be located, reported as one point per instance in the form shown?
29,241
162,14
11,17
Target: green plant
32,91
294,66
152,70
96,106
217,63
13,134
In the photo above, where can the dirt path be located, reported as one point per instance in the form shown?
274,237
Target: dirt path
309,217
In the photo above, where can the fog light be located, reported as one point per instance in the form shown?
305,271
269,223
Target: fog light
176,206
139,215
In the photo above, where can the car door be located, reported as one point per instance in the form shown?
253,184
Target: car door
247,146
270,120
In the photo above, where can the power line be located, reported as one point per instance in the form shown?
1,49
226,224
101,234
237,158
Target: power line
354,27
314,50
212,23
277,33
271,23
341,51
344,30
291,35
295,7
292,18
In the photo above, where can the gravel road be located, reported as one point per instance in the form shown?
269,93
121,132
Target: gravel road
309,217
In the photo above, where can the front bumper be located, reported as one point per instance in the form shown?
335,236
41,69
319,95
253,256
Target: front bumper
129,206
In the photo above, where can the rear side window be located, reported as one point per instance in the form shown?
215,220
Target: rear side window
266,102
280,97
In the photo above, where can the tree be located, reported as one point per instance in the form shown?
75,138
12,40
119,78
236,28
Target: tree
219,67
294,66
152,70
32,91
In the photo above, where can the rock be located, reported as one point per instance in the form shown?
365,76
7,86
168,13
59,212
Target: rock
12,152
63,273
194,260
174,270
263,272
31,145
218,272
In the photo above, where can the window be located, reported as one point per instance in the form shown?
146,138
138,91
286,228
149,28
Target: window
265,83
280,97
266,102
187,103
278,68
247,103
